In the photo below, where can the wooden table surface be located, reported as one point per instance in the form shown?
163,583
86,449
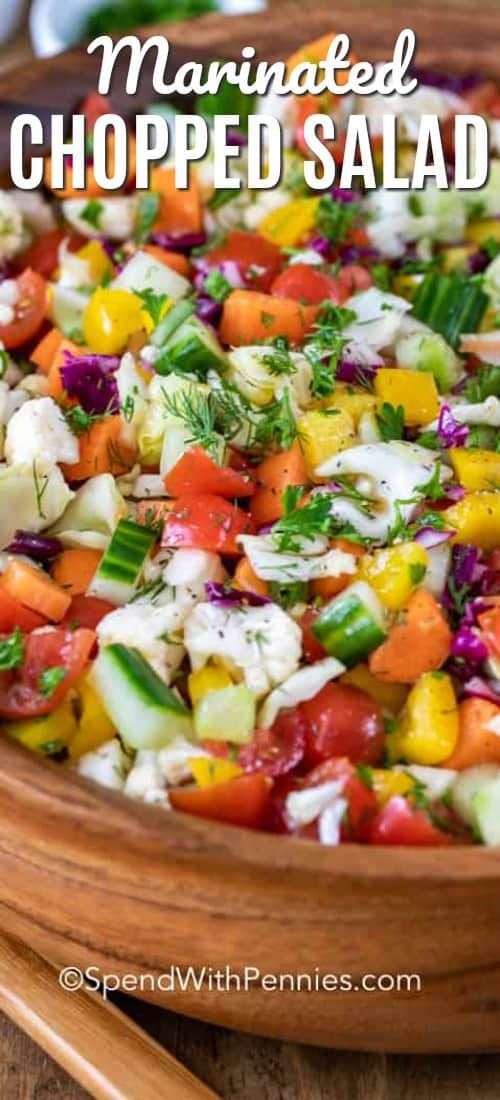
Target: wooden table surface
241,1066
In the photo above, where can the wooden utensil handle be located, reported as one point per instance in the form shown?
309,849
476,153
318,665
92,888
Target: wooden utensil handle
96,1043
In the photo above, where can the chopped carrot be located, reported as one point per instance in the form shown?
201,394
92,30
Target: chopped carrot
46,350
250,317
180,211
326,587
489,622
35,590
418,644
175,260
150,512
101,451
247,579
74,569
476,743
55,386
273,476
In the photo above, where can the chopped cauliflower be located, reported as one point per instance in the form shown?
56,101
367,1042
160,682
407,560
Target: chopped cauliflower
303,807
145,780
174,760
39,431
304,684
152,629
12,237
115,217
272,565
260,645
107,765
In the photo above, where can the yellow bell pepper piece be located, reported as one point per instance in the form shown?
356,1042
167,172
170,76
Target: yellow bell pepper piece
98,260
428,730
405,285
476,518
390,696
388,783
210,678
395,572
476,469
208,771
289,224
322,434
481,231
354,402
415,390
111,317
94,726
47,734
455,256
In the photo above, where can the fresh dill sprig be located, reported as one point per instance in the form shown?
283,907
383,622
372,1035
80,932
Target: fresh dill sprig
279,361
276,425
41,483
196,411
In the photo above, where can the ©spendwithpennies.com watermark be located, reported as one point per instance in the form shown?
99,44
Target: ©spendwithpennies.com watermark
176,979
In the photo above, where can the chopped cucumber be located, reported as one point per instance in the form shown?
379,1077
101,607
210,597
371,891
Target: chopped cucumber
143,272
449,304
144,710
191,348
351,625
466,787
486,807
428,351
67,307
120,569
226,715
172,320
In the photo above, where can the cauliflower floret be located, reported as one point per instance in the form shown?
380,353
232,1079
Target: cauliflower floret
187,573
38,430
107,765
12,238
152,629
261,645
145,780
114,217
310,562
173,760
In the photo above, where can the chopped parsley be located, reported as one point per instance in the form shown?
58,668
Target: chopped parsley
148,209
334,219
217,286
279,361
80,421
50,679
432,489
12,650
288,595
220,197
153,303
324,347
486,383
391,421
417,571
92,213
41,484
301,521
276,425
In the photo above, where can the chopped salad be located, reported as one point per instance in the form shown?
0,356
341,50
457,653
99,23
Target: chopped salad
250,492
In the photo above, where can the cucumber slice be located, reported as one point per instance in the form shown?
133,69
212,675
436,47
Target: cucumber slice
450,304
467,786
143,272
172,320
144,710
428,351
67,307
120,569
351,625
226,715
191,348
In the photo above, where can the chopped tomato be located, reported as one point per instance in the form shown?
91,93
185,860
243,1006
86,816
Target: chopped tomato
278,750
306,284
311,646
43,254
259,260
205,522
489,621
13,614
196,472
86,611
29,309
398,823
342,721
362,806
242,801
354,277
58,649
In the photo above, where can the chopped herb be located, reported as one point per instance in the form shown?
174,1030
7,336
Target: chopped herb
324,347
153,303
382,276
217,286
4,362
486,383
12,650
267,319
432,489
41,483
417,571
429,439
52,748
92,213
391,421
80,421
491,247
288,595
220,197
276,425
334,219
365,773
148,209
279,360
301,521
197,412
50,679
127,408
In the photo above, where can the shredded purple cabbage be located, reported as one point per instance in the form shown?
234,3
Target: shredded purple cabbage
464,561
449,430
352,254
182,242
428,537
108,246
344,194
447,82
224,596
237,137
38,547
481,689
90,378
208,310
468,652
322,246
353,372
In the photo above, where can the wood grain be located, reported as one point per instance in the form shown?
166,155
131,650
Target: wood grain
89,878
104,1050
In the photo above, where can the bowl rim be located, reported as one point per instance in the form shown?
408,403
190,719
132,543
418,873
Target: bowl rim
36,779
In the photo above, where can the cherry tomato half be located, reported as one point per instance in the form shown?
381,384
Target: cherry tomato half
29,309
398,823
259,260
21,697
43,255
306,284
342,721
277,750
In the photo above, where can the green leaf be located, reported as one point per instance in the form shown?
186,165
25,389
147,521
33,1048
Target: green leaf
92,212
50,679
149,206
334,219
153,303
417,571
12,650
391,421
217,286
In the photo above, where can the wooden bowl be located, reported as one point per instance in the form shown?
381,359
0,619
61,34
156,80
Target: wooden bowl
90,878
